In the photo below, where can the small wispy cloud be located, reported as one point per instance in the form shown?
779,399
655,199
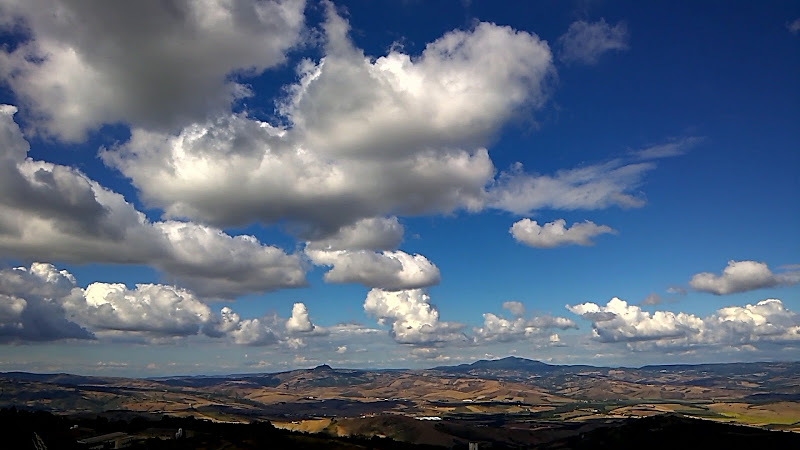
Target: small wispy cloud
651,300
676,290
675,148
794,26
585,42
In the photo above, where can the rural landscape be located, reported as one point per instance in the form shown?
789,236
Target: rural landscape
505,403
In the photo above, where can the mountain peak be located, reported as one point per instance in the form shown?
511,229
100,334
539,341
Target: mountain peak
509,362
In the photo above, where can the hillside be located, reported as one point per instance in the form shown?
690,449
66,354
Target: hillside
518,396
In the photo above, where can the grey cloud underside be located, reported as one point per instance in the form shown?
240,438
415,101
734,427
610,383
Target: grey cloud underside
31,306
59,194
364,253
36,319
52,212
42,303
374,234
178,71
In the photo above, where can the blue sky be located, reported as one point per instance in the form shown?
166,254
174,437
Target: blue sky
190,188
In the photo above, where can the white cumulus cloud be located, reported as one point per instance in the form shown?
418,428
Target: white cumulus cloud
299,321
496,328
742,276
149,308
390,270
768,321
411,317
618,321
366,137
257,331
555,233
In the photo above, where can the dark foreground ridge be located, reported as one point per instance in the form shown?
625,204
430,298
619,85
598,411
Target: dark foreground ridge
39,430
675,432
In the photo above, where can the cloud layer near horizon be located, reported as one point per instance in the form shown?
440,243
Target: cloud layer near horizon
42,303
768,321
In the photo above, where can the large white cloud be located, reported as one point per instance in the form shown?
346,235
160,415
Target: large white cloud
53,212
768,321
618,321
147,63
457,93
149,308
389,270
299,321
555,233
412,318
742,276
366,137
585,42
370,137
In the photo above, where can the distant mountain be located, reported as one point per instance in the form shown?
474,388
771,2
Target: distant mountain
508,363
65,379
323,368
